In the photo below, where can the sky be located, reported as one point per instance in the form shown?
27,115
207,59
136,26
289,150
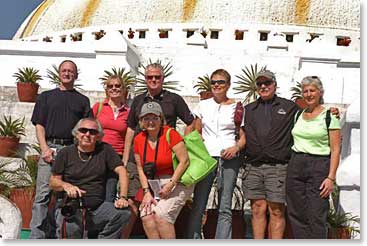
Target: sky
12,15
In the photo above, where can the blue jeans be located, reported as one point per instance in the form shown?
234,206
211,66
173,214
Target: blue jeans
229,170
39,224
105,222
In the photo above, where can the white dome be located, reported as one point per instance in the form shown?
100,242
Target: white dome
53,16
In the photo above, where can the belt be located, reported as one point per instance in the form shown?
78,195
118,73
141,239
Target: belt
61,141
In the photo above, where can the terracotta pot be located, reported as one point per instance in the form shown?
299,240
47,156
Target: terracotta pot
27,92
23,198
301,103
339,233
238,224
8,146
205,95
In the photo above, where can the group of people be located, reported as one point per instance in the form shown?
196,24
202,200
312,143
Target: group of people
110,163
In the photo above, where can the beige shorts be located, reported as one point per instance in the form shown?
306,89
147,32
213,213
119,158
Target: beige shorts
170,207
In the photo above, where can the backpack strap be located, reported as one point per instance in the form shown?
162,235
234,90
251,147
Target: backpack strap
327,119
298,113
168,137
100,104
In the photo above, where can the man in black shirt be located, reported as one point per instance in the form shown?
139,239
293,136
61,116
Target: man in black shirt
80,171
267,125
173,107
55,114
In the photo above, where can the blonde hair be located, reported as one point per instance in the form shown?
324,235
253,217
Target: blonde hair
108,81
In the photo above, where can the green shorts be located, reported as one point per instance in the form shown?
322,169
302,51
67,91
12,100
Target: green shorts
265,181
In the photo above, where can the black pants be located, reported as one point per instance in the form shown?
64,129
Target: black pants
307,211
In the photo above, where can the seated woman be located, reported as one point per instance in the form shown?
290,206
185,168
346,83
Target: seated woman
151,149
313,164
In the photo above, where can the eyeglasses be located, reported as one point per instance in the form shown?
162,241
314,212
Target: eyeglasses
117,86
150,77
148,119
266,83
219,82
91,131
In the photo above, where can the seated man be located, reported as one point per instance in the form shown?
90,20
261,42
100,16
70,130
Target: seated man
80,172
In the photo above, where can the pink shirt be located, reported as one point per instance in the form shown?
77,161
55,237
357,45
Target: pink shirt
114,129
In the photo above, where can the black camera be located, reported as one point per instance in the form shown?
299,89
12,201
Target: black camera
70,205
149,169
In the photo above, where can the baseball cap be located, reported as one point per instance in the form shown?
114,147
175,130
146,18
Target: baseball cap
266,74
150,108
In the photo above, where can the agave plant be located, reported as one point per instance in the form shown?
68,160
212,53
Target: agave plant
247,82
125,77
203,84
54,78
167,71
27,75
296,91
12,128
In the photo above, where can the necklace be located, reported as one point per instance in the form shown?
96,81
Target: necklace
83,160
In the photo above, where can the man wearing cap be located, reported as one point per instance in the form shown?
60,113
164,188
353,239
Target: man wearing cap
268,123
55,114
173,107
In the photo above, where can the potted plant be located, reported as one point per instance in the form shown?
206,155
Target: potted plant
10,132
54,79
27,86
341,225
130,34
247,82
203,87
297,95
127,79
19,184
141,85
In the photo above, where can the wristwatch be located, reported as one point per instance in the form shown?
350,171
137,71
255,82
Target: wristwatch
146,190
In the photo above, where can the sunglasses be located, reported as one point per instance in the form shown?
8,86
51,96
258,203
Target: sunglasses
117,86
85,130
266,83
148,119
150,77
219,82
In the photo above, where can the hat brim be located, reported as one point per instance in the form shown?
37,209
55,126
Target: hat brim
150,112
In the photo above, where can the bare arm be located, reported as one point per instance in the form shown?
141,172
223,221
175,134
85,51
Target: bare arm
183,158
46,152
128,142
124,183
57,184
197,125
327,185
232,151
148,198
189,128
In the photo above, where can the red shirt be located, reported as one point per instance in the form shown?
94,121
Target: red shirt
164,158
114,129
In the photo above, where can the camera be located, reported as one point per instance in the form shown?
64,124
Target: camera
149,169
70,205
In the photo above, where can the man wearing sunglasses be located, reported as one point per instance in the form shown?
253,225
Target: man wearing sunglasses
80,173
173,106
55,114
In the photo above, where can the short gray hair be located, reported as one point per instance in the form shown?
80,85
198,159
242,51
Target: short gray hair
77,126
315,81
155,65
